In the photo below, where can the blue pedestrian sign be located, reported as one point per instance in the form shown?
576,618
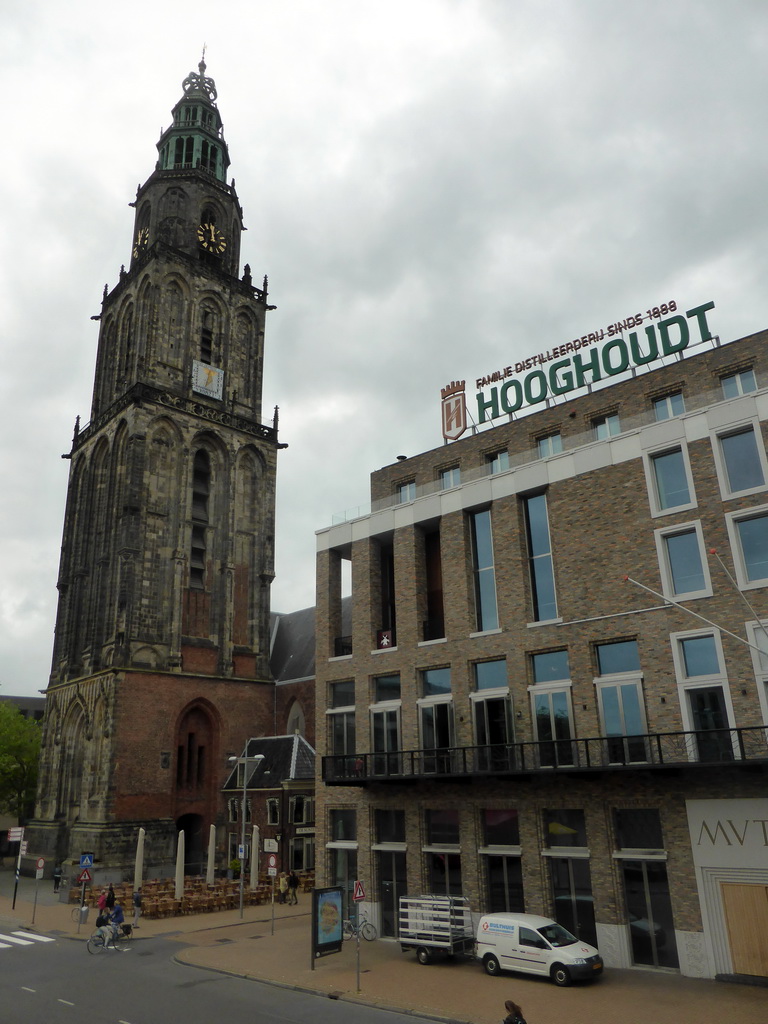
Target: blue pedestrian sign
86,860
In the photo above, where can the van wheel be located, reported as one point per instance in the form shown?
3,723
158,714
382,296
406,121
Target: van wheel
492,965
560,975
424,955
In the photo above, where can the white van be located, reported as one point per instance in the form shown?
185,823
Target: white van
536,945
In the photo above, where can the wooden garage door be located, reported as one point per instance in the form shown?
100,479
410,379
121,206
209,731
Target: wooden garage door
746,915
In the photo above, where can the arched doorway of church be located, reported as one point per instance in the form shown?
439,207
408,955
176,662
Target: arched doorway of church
195,851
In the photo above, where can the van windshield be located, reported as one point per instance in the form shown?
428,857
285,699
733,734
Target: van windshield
556,935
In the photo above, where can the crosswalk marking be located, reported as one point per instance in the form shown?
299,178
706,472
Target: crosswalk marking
8,941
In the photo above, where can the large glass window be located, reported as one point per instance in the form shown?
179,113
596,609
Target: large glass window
492,716
671,488
572,895
406,492
450,477
442,827
386,687
620,696
505,884
606,426
435,682
552,708
742,462
540,558
669,405
501,827
343,824
705,704
486,615
341,723
749,540
390,825
498,462
683,566
740,383
552,444
385,735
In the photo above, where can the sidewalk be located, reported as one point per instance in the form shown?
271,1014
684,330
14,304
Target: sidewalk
454,991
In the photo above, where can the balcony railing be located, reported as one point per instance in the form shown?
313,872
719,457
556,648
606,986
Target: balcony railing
651,750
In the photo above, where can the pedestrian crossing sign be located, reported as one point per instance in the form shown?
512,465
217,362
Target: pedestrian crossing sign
86,860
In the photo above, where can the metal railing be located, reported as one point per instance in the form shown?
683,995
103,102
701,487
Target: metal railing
651,750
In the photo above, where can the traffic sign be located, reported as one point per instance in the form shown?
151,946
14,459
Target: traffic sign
23,848
84,876
15,835
40,863
86,860
270,846
359,892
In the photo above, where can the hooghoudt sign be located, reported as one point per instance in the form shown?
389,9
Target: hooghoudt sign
566,368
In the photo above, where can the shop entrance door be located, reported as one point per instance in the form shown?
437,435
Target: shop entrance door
746,916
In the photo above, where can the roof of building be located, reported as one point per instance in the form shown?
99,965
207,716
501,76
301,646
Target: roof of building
292,649
285,759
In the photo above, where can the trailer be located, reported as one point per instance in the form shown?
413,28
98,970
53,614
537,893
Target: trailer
435,926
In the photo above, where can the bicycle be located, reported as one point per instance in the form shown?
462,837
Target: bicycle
98,943
362,926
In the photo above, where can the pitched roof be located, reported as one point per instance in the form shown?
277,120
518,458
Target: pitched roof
292,648
286,758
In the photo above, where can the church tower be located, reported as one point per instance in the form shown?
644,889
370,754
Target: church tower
160,661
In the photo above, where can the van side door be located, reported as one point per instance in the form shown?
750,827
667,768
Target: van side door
535,953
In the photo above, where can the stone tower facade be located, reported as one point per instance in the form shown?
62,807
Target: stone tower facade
160,661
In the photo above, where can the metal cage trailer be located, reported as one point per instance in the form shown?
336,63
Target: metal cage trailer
435,926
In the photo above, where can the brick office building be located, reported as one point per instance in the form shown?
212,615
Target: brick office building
161,656
519,720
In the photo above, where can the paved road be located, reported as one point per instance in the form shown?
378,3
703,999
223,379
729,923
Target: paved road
61,983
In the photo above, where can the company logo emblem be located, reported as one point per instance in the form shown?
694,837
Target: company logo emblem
454,410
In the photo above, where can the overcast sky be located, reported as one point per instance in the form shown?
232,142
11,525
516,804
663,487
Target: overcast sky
435,188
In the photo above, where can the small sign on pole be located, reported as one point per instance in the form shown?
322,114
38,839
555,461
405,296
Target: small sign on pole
358,892
272,864
15,835
84,876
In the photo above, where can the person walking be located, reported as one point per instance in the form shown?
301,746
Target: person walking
101,903
282,885
293,888
514,1013
110,897
136,907
56,877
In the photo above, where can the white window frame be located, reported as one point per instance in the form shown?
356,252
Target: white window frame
687,683
717,451
667,584
757,631
549,444
737,375
607,421
382,707
732,520
656,402
406,492
450,477
622,679
309,812
554,685
498,462
651,484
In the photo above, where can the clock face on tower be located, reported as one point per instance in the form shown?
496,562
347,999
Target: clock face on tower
211,238
142,237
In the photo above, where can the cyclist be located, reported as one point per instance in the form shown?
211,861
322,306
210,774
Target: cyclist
116,920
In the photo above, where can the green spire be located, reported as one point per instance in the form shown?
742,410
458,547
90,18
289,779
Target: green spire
195,140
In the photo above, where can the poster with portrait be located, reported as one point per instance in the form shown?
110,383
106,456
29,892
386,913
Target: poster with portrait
327,918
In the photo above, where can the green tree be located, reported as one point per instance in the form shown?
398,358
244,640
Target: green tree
19,755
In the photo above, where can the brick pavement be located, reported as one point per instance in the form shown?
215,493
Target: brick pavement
454,991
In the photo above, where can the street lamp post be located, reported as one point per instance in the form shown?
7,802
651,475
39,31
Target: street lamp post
256,759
